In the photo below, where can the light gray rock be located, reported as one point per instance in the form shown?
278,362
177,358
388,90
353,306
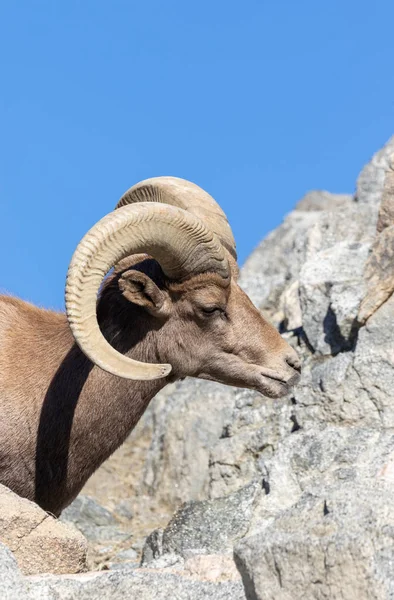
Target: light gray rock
353,388
386,210
205,527
332,286
314,452
153,547
12,586
177,463
321,200
355,223
315,457
330,392
373,365
331,290
371,179
168,561
255,426
128,555
336,542
134,585
276,262
93,520
124,509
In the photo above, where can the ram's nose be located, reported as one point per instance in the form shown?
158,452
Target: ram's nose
293,360
293,363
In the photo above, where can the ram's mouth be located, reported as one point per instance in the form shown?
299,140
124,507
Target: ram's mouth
274,386
267,382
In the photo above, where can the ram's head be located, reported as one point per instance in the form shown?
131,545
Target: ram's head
184,288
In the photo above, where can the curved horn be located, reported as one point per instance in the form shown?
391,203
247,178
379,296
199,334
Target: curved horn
186,195
180,242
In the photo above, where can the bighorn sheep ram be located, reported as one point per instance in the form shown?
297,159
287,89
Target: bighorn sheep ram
73,386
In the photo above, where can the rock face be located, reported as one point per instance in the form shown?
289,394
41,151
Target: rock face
325,278
94,521
39,542
297,491
205,527
141,585
379,270
331,544
12,586
107,536
313,268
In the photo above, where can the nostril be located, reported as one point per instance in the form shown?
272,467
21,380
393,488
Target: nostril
294,362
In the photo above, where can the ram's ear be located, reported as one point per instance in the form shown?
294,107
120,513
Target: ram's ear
140,289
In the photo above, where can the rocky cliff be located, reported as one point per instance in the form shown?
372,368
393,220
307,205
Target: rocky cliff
294,496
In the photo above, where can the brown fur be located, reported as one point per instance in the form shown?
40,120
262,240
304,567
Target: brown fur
62,416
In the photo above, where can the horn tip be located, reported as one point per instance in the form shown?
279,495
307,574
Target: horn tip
166,370
155,372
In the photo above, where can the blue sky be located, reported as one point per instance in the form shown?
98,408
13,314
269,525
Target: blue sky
257,102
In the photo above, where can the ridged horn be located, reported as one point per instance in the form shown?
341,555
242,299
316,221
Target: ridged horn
179,241
187,195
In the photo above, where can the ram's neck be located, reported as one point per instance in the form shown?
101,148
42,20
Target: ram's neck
87,413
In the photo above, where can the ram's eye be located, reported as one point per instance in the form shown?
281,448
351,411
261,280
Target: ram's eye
210,310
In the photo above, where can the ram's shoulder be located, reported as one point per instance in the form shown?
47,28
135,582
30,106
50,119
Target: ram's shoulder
16,315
